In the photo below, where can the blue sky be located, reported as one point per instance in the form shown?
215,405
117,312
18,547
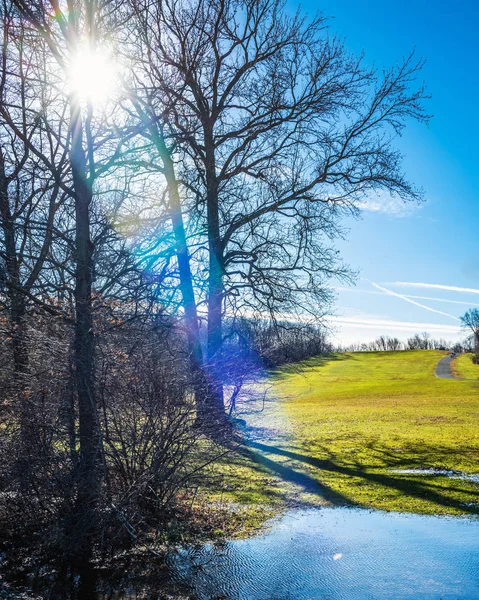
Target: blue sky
436,243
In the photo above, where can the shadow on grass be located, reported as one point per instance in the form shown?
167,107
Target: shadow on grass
310,363
406,485
290,475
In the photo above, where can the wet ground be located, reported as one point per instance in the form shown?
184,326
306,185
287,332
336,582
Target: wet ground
340,553
313,554
318,553
438,473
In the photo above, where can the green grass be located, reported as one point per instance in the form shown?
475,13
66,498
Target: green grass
464,367
348,420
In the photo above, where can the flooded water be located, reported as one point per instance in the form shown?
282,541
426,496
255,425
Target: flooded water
314,554
439,473
340,553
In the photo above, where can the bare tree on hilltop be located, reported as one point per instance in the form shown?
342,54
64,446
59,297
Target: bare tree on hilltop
470,322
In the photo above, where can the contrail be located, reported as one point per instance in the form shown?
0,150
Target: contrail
436,286
406,299
473,302
341,288
373,323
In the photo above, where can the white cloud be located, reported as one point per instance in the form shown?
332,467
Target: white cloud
435,286
390,205
441,300
361,328
406,299
376,293
387,324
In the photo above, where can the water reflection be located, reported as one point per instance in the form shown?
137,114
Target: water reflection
341,554
335,554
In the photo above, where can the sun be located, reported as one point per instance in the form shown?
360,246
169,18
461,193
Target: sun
93,75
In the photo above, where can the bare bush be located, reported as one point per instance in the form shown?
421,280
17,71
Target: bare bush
153,455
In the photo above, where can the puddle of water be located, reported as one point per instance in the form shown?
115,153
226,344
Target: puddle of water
340,553
438,473
314,554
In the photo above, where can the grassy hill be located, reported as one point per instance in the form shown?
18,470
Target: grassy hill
341,427
464,367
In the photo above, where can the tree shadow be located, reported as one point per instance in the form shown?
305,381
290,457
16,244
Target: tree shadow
290,475
407,485
310,363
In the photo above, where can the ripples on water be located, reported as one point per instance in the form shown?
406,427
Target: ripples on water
315,554
341,554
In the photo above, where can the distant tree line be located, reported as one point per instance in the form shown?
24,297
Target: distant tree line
419,341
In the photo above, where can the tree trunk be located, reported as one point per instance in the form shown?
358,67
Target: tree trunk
200,384
17,312
12,278
89,438
215,282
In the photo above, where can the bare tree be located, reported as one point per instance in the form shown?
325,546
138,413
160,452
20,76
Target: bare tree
282,130
30,193
31,205
156,159
64,31
470,322
386,343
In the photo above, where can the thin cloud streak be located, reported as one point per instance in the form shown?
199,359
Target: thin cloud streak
373,323
436,286
441,300
359,291
389,205
406,299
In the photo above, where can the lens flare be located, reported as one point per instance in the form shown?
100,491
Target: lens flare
93,75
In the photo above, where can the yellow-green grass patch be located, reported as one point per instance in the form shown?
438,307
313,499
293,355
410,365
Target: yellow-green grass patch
351,420
463,366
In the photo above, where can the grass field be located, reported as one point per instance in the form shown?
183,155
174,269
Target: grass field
464,367
340,426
